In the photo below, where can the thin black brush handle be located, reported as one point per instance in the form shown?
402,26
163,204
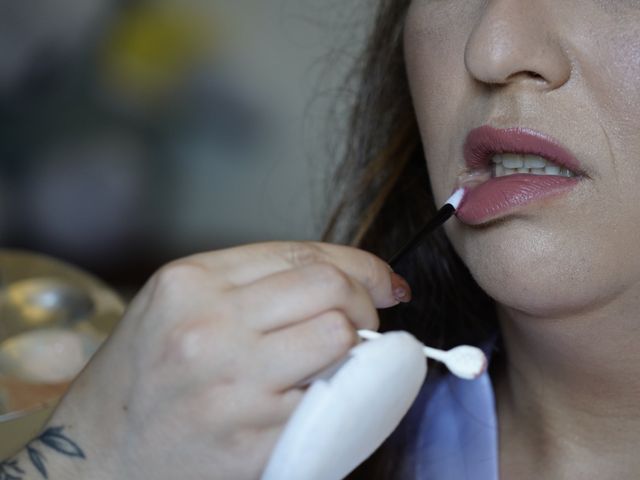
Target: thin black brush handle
444,214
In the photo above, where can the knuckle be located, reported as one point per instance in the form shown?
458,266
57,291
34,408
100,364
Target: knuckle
169,296
372,270
208,343
303,253
340,332
331,277
185,343
178,276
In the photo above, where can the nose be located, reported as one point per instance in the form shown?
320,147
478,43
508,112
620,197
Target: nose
516,42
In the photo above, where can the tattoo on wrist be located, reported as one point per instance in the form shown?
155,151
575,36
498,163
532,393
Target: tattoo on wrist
52,439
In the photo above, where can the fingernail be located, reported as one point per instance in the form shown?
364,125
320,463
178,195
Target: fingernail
400,288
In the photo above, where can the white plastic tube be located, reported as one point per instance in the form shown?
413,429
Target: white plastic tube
345,416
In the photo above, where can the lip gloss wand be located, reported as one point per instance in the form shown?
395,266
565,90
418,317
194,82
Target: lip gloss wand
444,214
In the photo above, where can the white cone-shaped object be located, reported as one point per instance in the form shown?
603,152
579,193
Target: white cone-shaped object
347,414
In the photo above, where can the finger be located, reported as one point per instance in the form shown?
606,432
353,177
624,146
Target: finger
291,355
243,265
292,296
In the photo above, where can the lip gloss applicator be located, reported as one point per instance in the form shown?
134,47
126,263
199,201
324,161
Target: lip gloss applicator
466,179
444,214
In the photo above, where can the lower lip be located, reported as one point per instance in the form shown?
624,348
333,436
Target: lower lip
501,196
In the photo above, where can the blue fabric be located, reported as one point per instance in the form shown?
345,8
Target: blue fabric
450,433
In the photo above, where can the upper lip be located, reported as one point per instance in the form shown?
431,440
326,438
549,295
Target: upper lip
484,142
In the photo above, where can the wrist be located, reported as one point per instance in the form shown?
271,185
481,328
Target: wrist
77,443
53,454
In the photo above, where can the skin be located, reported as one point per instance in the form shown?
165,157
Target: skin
211,357
210,360
564,271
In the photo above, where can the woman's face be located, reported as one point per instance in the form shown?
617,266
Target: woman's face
567,73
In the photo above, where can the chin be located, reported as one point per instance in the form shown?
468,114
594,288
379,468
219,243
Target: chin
541,273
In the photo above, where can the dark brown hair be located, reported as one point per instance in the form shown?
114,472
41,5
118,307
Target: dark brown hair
387,197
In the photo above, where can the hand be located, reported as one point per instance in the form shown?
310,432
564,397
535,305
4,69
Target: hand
210,359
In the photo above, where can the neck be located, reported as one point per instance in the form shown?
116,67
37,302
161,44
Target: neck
568,392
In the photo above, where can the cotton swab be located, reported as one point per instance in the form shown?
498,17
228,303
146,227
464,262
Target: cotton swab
463,361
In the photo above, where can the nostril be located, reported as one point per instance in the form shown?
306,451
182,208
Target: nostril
534,75
526,74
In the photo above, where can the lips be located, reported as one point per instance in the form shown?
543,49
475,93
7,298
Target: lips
501,196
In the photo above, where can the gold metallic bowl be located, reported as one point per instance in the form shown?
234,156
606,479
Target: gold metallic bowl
39,293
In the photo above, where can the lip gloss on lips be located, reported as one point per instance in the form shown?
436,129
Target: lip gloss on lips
498,196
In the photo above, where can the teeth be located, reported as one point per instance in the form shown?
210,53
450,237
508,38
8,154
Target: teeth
511,163
534,161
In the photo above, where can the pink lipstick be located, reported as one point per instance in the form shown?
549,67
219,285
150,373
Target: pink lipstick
510,189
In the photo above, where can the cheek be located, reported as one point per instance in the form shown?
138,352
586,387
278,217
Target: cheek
610,76
434,53
435,38
434,42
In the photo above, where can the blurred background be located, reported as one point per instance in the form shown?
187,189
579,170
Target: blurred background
135,132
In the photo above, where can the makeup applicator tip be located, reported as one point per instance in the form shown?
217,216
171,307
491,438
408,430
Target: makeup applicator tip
441,216
456,199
